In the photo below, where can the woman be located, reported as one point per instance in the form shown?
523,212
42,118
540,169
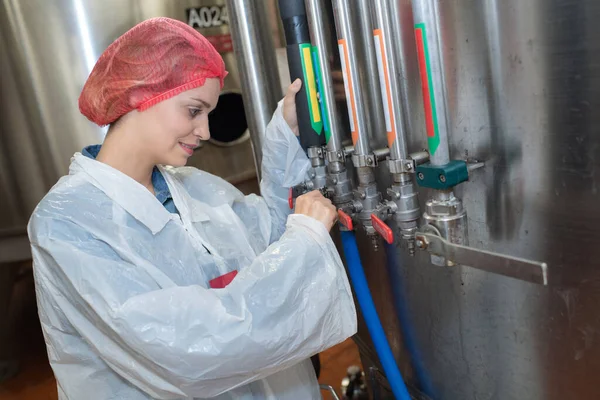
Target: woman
134,261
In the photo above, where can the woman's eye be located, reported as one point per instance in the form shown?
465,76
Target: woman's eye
194,112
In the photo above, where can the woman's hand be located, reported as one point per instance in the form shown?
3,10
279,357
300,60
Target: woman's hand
289,106
314,205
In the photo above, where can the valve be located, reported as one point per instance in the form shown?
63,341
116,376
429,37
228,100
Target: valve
345,220
383,229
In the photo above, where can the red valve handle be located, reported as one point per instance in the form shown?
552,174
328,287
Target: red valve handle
291,198
345,220
382,228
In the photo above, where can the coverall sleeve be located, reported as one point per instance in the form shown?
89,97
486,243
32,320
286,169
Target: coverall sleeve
292,302
284,165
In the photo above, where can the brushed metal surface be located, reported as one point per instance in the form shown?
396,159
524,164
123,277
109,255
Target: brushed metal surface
523,93
256,60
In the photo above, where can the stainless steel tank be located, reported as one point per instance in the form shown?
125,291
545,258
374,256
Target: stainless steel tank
523,85
523,80
48,48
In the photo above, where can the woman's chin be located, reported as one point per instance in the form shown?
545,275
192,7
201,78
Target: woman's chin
175,161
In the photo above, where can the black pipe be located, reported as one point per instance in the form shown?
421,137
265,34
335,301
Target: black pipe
301,65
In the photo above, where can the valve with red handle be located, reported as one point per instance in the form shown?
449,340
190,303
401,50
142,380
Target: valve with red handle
382,228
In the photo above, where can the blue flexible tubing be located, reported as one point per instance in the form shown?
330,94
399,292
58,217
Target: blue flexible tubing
408,334
365,301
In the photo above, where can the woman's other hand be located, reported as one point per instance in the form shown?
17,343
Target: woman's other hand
289,106
315,205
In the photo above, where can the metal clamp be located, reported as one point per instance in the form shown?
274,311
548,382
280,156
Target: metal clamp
335,156
408,165
514,267
401,166
364,160
315,152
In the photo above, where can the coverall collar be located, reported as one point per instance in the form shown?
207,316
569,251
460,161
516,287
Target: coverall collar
138,201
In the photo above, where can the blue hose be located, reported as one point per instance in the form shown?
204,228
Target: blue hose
365,301
408,334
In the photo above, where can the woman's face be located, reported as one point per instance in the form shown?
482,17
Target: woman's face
173,128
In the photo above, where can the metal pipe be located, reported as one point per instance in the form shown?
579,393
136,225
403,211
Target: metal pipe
253,46
388,62
429,53
333,128
365,52
345,22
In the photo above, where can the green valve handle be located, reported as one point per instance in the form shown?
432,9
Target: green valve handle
302,65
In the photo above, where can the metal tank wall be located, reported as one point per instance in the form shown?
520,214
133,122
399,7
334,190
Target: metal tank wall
523,80
48,49
523,84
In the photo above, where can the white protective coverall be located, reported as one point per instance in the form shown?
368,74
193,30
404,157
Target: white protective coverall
123,294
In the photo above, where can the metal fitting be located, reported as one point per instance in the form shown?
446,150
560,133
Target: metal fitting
339,186
401,166
314,152
318,177
368,160
448,219
419,157
381,154
335,156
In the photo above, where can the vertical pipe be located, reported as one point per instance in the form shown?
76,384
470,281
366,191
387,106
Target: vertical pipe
345,26
253,46
429,53
389,65
370,79
316,18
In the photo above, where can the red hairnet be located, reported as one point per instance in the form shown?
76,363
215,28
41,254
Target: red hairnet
153,61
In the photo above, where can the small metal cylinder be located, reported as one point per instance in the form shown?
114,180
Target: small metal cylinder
433,83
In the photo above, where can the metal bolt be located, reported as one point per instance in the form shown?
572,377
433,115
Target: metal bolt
421,176
442,178
334,181
312,175
339,154
369,161
421,244
408,166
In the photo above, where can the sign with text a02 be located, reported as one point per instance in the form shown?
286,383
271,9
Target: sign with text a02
208,17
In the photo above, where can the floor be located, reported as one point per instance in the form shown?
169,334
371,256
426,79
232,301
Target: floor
36,382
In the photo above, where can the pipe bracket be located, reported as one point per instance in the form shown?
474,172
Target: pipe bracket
364,160
442,177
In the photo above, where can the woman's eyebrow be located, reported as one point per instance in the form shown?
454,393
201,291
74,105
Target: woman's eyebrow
204,103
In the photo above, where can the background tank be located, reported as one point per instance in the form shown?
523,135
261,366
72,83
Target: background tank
48,49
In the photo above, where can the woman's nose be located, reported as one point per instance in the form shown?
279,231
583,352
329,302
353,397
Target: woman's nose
202,131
